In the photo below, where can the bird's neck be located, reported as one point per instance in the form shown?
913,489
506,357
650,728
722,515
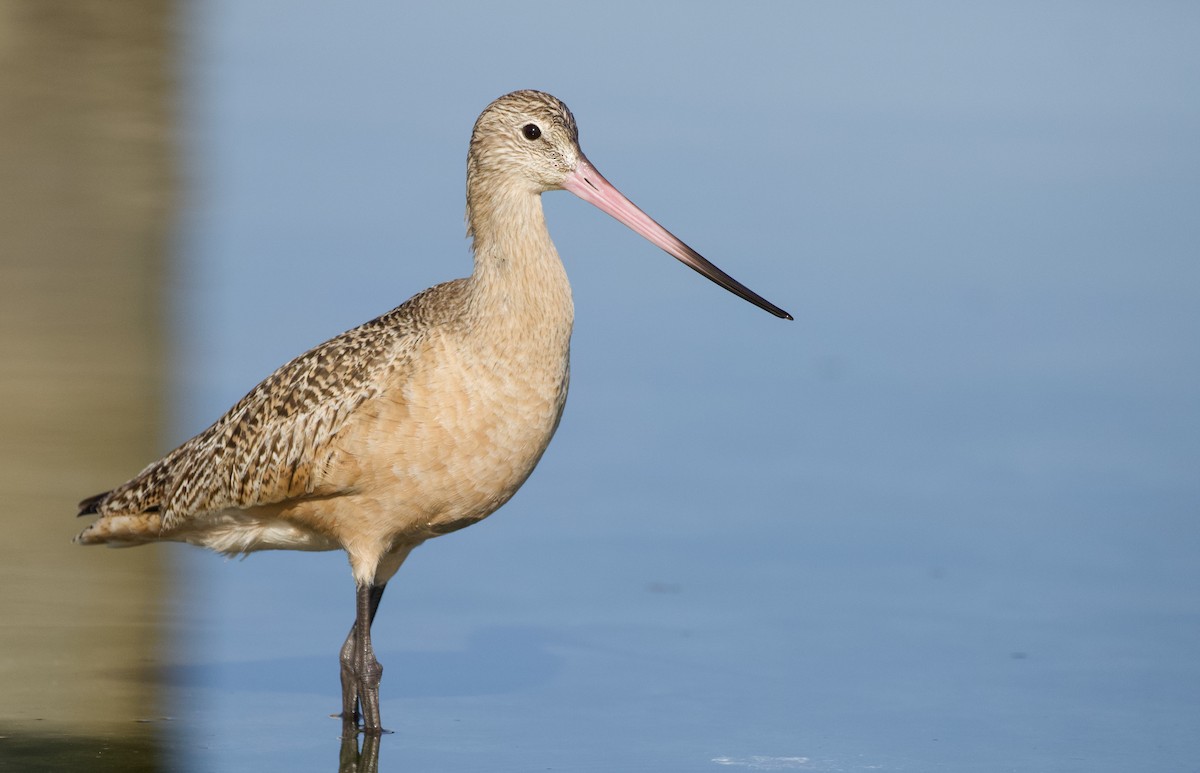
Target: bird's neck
518,277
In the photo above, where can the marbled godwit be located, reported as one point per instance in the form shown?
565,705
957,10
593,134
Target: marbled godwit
415,424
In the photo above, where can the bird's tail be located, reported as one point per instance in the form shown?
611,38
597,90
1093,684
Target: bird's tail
118,530
122,531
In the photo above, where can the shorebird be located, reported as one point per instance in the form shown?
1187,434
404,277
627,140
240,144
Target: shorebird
415,424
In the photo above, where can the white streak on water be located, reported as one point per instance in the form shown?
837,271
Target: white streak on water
759,762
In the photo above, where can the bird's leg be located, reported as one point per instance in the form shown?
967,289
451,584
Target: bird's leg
360,670
349,713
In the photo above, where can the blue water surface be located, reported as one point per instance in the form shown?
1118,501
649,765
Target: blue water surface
944,521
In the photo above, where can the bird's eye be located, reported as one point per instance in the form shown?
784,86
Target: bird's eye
531,131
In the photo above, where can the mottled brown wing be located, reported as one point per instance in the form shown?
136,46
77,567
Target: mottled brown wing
276,442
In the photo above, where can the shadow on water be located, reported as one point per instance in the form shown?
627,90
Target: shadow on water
31,751
85,204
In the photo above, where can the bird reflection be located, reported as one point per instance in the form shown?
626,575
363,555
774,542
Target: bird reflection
355,759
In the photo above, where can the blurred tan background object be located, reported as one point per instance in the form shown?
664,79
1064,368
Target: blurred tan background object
86,202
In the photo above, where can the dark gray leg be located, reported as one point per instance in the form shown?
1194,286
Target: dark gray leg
360,670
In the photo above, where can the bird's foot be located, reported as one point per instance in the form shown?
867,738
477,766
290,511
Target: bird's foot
352,726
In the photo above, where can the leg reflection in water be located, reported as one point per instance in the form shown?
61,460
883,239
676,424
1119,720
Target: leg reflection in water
352,759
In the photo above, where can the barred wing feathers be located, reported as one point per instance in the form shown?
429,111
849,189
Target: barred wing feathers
276,444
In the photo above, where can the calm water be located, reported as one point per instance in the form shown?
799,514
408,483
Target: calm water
945,521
